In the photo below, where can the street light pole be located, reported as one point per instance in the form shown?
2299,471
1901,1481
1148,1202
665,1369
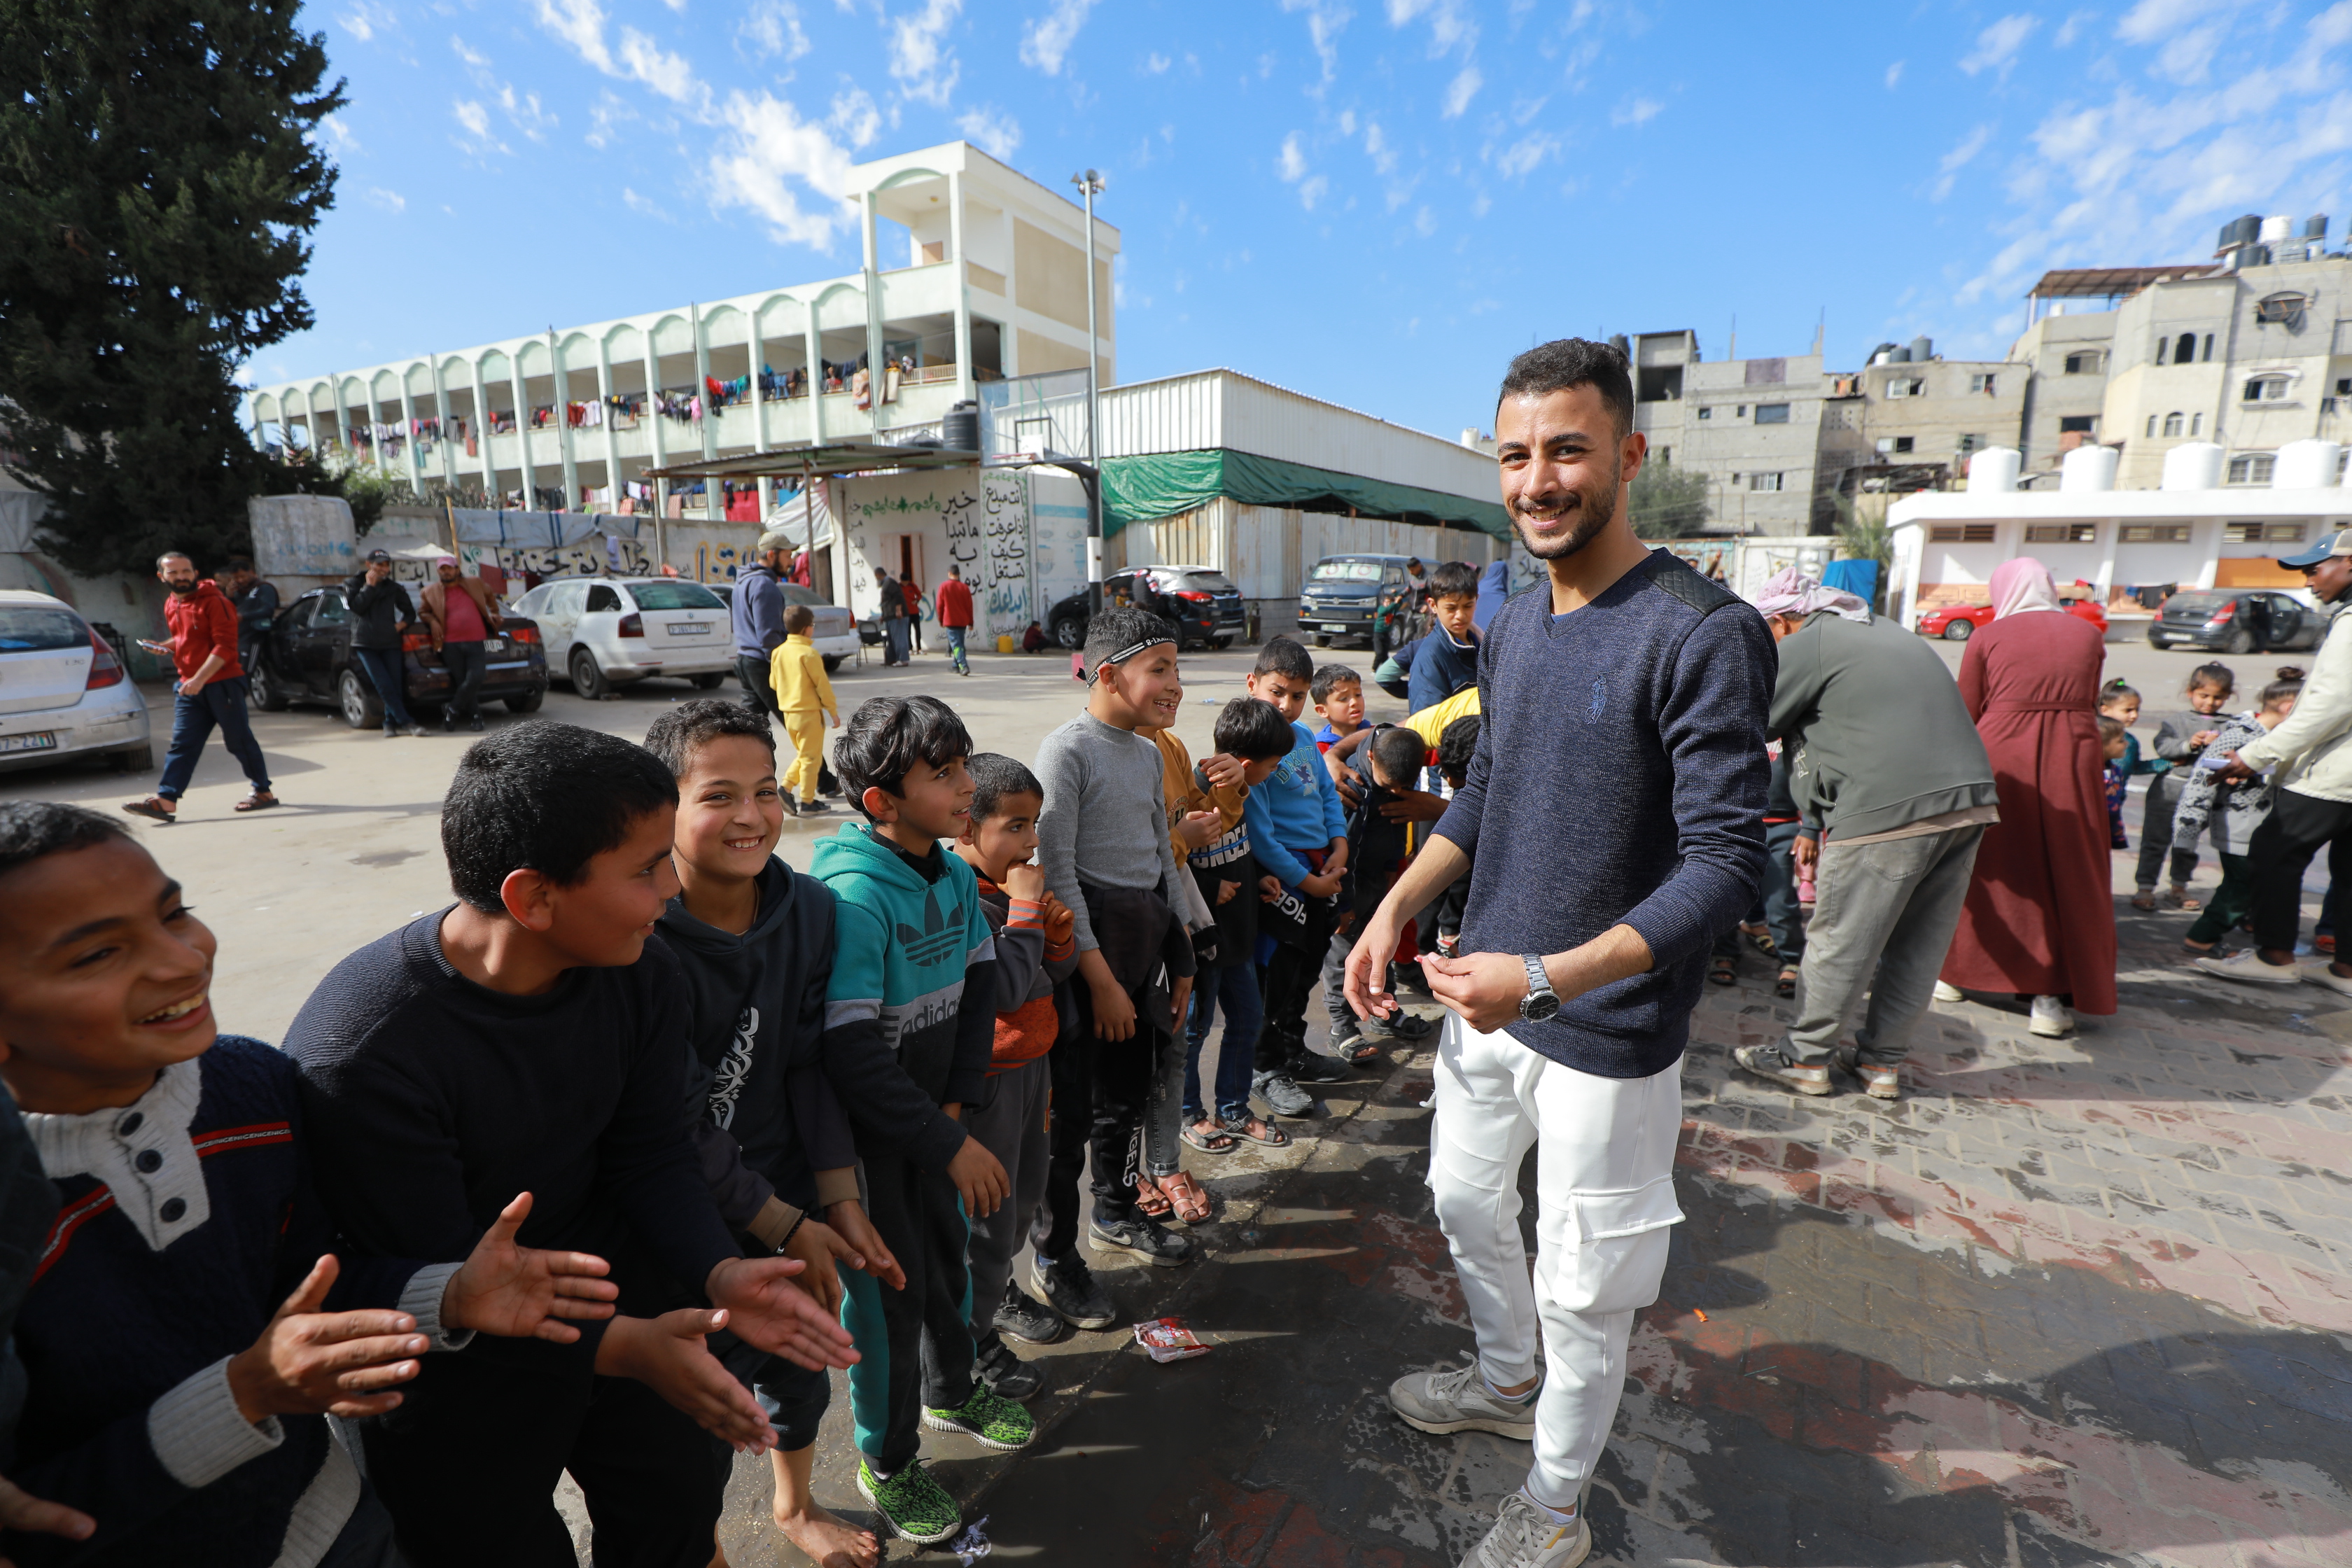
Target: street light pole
1090,184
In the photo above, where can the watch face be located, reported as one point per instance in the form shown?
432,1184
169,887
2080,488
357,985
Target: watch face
1536,1009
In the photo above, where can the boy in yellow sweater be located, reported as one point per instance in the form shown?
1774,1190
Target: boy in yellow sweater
805,697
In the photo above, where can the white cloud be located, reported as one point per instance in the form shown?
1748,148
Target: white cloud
339,132
676,6
580,23
611,112
1312,191
1346,122
1293,165
1997,44
665,73
365,19
774,27
920,62
1525,155
769,149
1461,90
1424,223
1893,75
1638,113
473,58
1045,40
1960,158
1450,27
1384,156
1157,63
2332,25
1483,205
993,131
474,118
390,201
637,204
854,117
2072,29
1324,21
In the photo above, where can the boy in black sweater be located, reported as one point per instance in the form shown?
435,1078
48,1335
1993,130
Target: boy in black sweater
529,1036
754,939
180,1355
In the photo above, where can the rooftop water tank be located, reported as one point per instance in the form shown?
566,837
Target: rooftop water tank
2193,465
2315,227
960,430
1922,350
2239,231
1995,469
2088,468
2276,228
2306,465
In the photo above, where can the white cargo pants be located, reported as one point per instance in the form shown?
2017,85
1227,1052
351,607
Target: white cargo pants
1604,1199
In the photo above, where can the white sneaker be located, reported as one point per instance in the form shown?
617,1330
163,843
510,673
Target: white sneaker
2318,972
2249,966
1948,993
2050,1018
1527,1536
1460,1401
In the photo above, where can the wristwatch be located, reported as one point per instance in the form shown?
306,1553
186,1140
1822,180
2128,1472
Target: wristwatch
1541,1000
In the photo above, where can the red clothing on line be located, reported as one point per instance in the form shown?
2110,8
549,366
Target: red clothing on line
954,600
2041,914
202,623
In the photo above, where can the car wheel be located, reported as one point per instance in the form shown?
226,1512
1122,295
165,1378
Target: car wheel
528,703
2158,640
832,662
1224,642
357,700
586,678
137,760
1070,632
269,693
2239,641
710,682
1959,629
1322,641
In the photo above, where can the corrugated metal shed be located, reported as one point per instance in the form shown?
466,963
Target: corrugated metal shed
1213,408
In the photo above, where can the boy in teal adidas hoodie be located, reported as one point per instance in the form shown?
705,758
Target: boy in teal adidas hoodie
904,1056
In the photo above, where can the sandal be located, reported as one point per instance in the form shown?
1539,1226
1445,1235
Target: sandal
1723,969
1192,1203
2180,899
1149,1201
1360,1054
152,809
1207,1136
1760,938
259,800
1786,985
1254,1130
2144,901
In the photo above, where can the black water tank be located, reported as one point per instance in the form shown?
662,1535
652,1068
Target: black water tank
2240,230
959,431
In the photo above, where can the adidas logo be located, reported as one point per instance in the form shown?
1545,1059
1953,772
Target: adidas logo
936,941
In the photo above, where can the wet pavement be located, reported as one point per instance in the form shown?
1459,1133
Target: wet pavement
2076,1303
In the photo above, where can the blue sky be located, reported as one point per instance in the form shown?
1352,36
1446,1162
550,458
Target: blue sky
1374,202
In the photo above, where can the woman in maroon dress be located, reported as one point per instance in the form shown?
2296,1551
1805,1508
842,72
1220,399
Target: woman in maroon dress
2040,919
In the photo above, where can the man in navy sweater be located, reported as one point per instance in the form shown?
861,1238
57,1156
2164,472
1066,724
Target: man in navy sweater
1612,825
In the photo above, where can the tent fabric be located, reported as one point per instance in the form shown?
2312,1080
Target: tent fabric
1859,578
1142,488
537,530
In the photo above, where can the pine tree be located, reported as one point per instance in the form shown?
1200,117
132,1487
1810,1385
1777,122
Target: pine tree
159,179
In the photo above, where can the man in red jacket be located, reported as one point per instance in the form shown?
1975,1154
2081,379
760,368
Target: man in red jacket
954,601
210,690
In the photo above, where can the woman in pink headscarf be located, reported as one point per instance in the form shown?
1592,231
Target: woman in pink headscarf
2041,916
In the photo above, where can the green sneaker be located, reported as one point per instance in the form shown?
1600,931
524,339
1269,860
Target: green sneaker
987,1417
914,1505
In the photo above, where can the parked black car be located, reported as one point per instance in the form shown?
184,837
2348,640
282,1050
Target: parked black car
307,658
2236,620
1348,596
1200,600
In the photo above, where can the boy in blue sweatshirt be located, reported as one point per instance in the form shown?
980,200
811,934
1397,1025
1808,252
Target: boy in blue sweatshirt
180,1352
1298,834
906,1055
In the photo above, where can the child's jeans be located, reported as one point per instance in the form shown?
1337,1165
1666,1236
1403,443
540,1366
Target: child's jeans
1233,987
1163,1149
1010,1125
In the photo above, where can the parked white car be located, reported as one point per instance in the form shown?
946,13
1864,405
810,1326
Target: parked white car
62,692
604,632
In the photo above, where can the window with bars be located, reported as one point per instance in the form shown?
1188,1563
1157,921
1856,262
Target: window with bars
2255,469
1763,481
2266,389
2061,533
2153,533
2263,532
1959,532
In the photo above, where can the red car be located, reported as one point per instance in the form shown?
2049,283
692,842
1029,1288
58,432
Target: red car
1957,622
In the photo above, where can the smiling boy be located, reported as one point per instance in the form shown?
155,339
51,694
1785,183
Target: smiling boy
179,1353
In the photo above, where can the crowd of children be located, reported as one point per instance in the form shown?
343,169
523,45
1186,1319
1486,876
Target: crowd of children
283,1306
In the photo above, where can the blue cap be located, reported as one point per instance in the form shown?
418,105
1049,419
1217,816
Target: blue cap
2328,545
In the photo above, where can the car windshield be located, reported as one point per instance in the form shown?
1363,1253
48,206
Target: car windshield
37,629
674,596
796,595
2197,601
1347,572
1209,581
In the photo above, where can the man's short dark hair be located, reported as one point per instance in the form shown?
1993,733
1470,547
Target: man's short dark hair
1252,730
34,830
995,776
1564,363
238,563
686,728
1454,578
1284,656
1330,679
1119,628
1402,754
799,618
544,797
889,737
1456,744
174,555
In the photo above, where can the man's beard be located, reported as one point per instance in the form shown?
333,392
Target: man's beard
182,589
1592,515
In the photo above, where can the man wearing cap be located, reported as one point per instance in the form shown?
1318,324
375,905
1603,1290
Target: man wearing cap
2313,807
460,613
380,611
756,616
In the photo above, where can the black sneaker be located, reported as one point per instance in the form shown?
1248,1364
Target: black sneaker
1025,1319
1314,1067
474,723
1281,1093
1006,1375
448,720
1401,1025
1146,1238
1071,1290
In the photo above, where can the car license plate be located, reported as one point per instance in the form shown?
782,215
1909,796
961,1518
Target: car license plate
38,741
1334,627
688,628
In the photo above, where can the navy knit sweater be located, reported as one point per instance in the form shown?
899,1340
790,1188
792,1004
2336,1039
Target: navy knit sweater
1619,779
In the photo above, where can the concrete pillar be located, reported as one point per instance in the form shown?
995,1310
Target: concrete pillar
343,421
661,447
375,426
967,386
873,281
408,433
758,358
482,432
711,508
571,502
441,418
522,432
813,352
612,436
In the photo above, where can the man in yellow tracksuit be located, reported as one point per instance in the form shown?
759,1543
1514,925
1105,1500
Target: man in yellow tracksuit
804,698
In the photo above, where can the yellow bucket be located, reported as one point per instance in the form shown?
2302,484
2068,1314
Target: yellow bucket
1004,643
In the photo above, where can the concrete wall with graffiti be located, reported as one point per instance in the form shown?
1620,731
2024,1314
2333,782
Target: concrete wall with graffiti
927,521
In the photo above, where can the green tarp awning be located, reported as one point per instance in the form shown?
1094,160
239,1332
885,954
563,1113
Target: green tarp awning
1139,489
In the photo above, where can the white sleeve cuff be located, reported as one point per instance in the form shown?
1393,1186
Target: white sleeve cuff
198,1434
421,1302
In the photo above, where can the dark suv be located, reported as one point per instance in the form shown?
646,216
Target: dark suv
2236,620
307,658
1200,600
1356,597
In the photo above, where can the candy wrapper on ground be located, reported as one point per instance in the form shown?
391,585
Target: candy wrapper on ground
1169,1340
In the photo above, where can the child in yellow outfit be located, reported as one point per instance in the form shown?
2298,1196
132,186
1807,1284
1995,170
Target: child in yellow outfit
805,697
